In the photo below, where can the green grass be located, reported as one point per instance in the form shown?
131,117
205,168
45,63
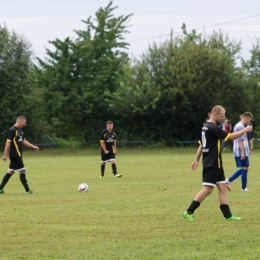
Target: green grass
138,216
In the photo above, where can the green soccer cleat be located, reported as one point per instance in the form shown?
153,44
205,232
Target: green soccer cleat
2,192
29,192
187,216
117,175
233,218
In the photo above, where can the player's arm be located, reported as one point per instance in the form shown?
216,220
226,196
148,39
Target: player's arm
235,135
103,146
242,149
6,151
195,163
115,146
26,143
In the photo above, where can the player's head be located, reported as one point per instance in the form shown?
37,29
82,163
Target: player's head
246,118
109,126
20,121
217,114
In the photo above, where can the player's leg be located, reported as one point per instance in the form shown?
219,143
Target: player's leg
251,144
244,170
230,145
103,166
244,179
24,181
8,175
224,207
208,186
114,169
19,166
5,179
236,174
112,159
103,163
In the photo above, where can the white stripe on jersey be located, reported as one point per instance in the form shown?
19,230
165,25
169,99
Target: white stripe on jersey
236,150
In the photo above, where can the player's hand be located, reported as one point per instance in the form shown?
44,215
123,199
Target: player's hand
106,151
4,158
249,128
242,157
194,165
35,148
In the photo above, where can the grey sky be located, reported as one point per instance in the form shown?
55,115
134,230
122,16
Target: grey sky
42,21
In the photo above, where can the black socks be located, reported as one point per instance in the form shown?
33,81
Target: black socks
103,169
24,182
193,206
5,180
225,210
113,168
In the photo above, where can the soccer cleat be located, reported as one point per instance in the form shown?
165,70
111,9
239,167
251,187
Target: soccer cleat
233,218
251,148
29,192
246,189
2,192
187,216
228,183
117,175
101,177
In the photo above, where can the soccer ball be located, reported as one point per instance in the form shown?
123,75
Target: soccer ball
83,187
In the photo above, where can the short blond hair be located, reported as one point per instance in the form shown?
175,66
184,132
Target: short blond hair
20,118
217,110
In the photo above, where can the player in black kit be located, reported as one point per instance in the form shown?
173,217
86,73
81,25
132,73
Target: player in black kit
213,172
108,149
14,146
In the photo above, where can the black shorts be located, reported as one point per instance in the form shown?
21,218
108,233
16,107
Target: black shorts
212,176
16,163
107,157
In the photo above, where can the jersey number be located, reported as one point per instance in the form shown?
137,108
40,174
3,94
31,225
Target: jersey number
204,140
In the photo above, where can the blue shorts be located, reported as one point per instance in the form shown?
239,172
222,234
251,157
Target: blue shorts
242,163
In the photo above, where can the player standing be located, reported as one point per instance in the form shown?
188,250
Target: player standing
108,149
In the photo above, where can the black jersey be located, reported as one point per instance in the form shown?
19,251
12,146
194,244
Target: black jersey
108,139
211,137
15,137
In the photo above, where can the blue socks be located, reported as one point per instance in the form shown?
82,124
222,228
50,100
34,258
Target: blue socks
244,178
235,175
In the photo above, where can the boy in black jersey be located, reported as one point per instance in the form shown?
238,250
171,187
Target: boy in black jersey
14,147
213,172
108,149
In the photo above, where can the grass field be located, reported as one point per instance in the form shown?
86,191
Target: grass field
138,216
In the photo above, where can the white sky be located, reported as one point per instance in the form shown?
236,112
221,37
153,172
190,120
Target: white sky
40,21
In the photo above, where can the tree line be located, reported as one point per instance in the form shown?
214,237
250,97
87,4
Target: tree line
162,96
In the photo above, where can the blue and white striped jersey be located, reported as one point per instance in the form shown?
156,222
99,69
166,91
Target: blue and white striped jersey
236,150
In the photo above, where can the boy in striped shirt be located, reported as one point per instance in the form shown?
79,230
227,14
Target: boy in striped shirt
241,152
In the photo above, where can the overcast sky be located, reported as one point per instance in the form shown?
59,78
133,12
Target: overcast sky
40,21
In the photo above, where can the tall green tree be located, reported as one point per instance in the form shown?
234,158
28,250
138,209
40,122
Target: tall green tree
177,82
15,66
251,68
79,77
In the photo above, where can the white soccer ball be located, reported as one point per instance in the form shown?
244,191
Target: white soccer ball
83,187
